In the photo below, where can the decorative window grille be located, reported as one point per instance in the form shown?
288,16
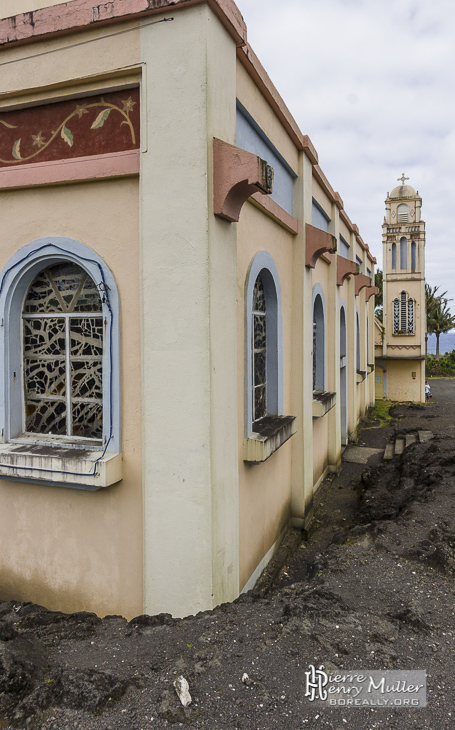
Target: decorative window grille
403,213
396,316
403,312
259,351
410,316
63,336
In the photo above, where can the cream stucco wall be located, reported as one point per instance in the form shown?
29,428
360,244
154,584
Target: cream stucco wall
264,489
63,548
320,196
189,328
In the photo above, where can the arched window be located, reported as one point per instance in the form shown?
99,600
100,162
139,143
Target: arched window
318,341
259,350
60,340
403,253
394,255
63,342
358,359
403,213
403,315
264,385
413,255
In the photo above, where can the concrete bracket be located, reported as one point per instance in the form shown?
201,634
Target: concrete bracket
370,291
361,281
317,243
346,268
237,174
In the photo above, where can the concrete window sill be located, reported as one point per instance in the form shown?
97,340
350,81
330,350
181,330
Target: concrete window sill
323,402
268,435
60,465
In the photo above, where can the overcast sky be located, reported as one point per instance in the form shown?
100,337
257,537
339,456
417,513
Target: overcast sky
372,84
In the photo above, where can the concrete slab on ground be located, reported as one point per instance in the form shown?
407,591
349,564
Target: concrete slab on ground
359,454
425,436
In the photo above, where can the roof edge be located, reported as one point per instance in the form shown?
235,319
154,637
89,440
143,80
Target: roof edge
79,15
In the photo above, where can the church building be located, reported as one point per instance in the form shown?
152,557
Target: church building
186,308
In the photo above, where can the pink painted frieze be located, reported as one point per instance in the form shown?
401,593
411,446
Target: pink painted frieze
94,125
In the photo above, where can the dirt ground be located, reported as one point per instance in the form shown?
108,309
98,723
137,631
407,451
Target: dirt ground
372,588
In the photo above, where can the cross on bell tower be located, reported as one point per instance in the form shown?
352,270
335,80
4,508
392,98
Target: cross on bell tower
402,178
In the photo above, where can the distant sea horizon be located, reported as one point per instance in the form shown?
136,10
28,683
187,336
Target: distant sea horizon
446,343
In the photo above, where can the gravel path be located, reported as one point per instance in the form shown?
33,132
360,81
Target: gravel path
373,588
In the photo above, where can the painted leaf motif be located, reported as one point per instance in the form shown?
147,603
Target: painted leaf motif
10,126
67,136
101,118
17,150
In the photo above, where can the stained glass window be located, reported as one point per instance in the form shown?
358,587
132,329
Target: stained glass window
259,350
63,335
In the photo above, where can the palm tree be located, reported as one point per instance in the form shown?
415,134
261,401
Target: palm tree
439,317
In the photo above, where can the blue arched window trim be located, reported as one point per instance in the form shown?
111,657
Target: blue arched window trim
264,264
319,339
15,279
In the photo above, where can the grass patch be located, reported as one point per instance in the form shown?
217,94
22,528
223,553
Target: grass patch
380,415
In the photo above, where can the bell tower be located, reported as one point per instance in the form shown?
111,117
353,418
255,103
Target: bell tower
404,311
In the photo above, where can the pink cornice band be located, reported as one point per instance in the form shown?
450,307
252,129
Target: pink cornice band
114,164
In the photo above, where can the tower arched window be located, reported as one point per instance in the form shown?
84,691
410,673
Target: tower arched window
403,253
413,255
403,213
394,255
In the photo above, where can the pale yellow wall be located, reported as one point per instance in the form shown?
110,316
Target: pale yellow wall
320,196
400,384
63,548
252,99
378,386
264,489
14,7
321,276
345,232
102,61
